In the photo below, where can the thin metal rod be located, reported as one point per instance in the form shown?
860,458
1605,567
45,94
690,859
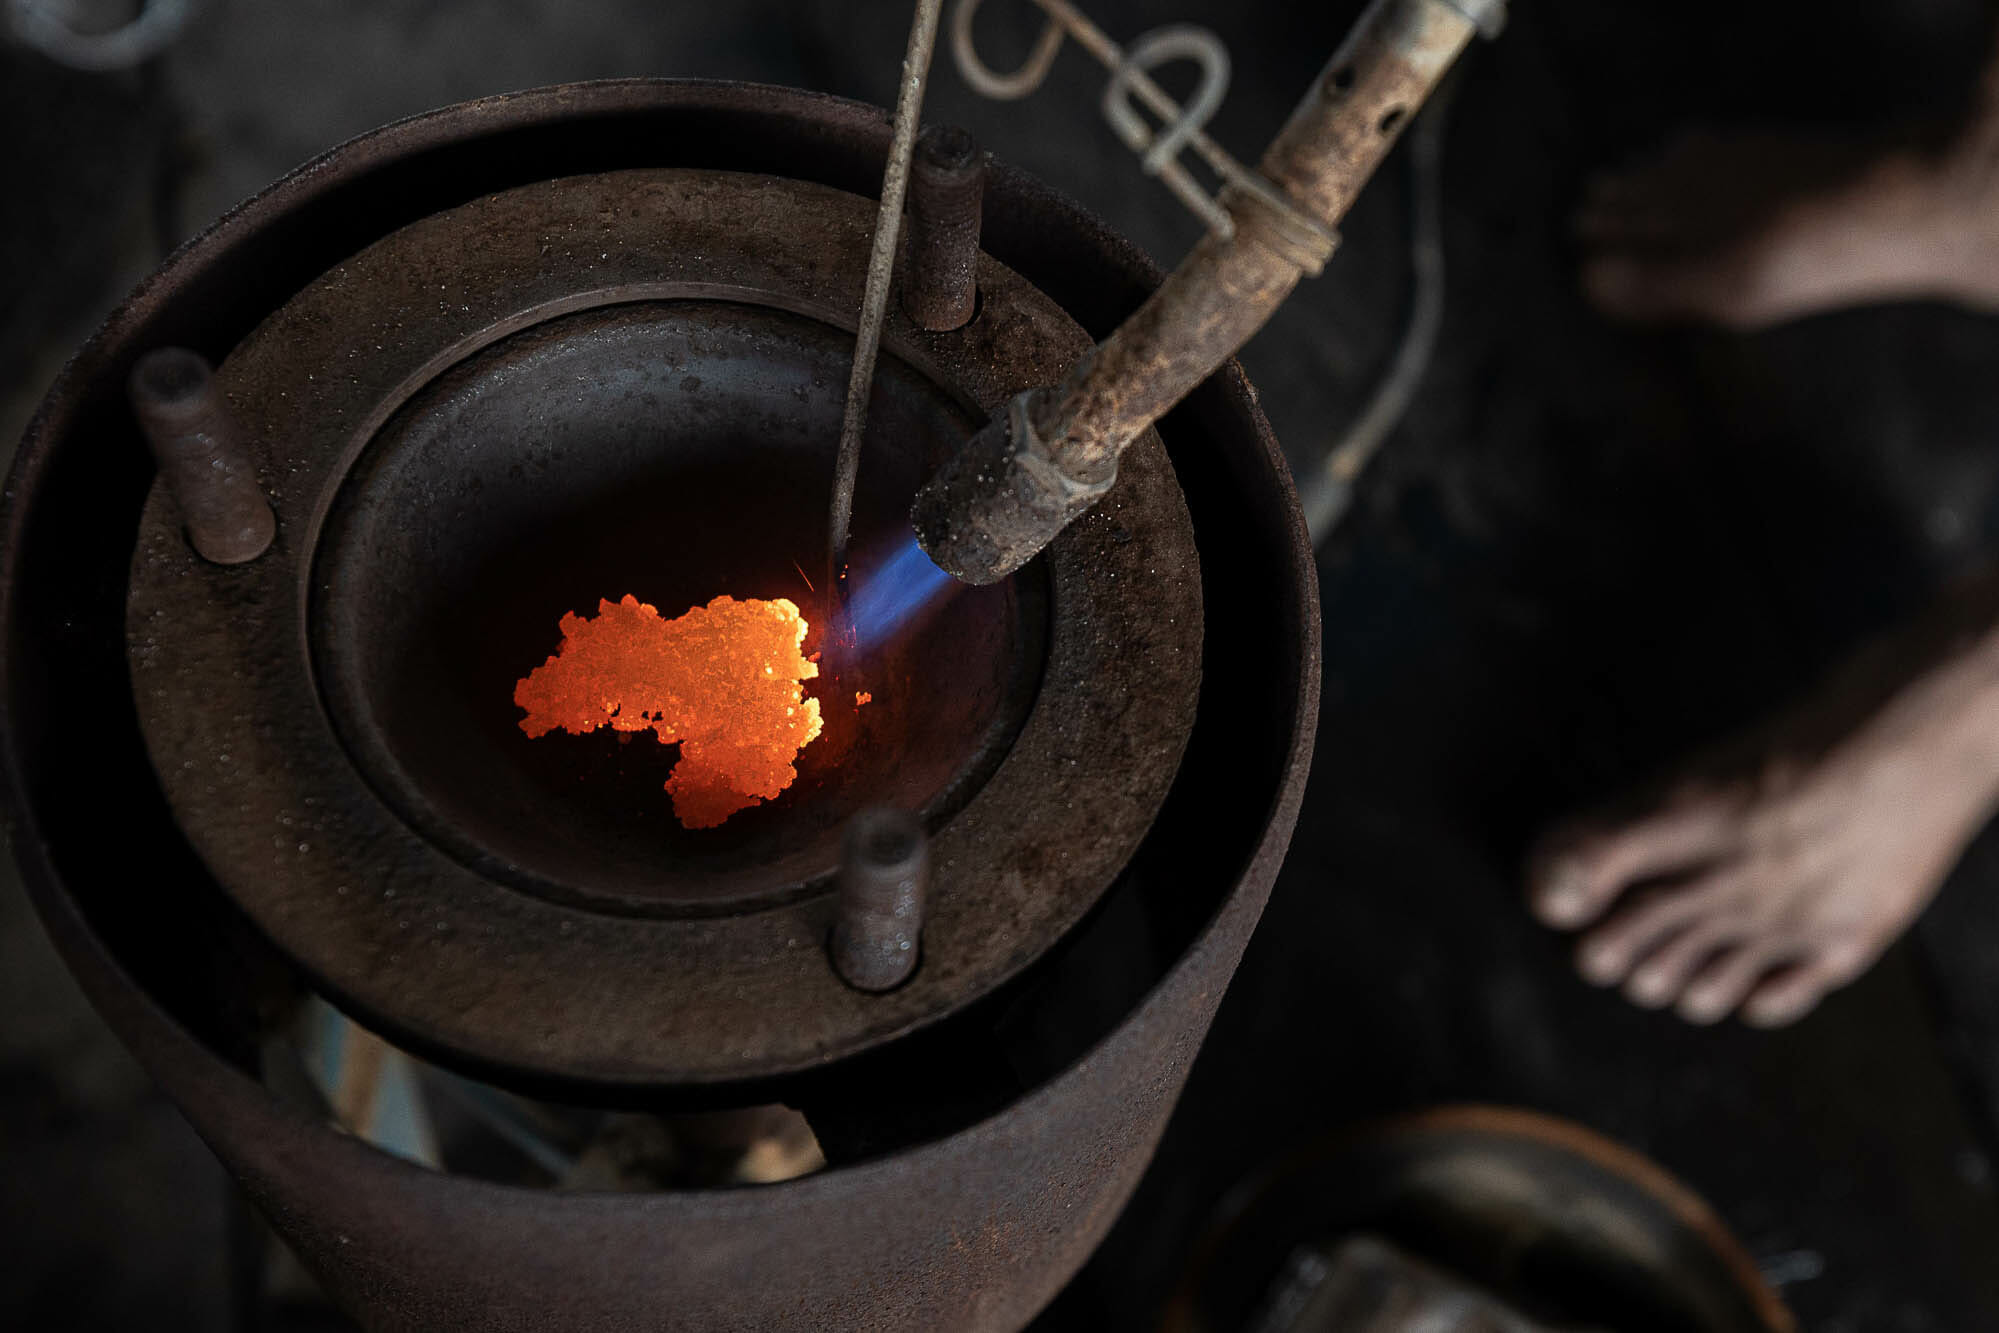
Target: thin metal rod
874,303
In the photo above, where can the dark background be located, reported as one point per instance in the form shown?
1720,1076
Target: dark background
1586,551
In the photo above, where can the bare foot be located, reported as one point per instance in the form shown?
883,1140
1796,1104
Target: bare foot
1754,229
1766,892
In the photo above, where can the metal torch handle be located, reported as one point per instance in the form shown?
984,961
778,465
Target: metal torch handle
1227,288
1042,464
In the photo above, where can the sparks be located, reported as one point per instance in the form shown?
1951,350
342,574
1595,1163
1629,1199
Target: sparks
724,682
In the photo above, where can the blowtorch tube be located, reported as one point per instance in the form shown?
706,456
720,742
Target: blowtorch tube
1052,453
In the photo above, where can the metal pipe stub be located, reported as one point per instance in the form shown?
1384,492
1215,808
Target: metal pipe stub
993,506
947,188
202,456
884,877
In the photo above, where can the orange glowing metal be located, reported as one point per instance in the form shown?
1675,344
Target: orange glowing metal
723,681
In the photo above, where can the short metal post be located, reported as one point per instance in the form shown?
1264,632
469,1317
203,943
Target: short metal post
884,876
202,456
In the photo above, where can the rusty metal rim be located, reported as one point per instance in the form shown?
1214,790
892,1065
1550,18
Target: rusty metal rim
1669,1191
1514,1124
477,973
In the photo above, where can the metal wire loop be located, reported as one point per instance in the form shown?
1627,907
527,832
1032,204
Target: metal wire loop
1306,239
982,78
1181,41
45,26
1159,153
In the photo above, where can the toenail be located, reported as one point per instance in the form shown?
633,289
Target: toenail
1598,966
1649,989
1561,907
1844,960
1565,901
1702,1008
1766,1015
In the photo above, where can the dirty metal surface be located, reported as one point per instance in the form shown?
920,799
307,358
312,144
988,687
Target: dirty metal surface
973,1227
452,953
673,451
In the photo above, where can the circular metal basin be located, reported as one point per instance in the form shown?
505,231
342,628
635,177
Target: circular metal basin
674,451
629,383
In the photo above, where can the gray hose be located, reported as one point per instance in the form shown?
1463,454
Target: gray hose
1327,493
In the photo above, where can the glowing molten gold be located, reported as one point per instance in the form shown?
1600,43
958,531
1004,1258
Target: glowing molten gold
722,681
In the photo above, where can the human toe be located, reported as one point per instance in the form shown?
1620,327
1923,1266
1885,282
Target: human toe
1620,210
1579,872
1786,996
1659,979
1722,984
1791,992
1628,287
1564,894
1607,953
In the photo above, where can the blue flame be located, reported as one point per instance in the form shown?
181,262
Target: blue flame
890,591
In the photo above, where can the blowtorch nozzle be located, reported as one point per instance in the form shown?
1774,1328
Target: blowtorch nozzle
1003,498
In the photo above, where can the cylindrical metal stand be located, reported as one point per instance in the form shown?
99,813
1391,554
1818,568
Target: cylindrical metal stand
947,186
884,874
202,456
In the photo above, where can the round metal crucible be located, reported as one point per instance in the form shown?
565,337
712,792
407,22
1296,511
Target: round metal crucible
620,383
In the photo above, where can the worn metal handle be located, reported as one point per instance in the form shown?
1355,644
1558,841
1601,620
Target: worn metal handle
985,513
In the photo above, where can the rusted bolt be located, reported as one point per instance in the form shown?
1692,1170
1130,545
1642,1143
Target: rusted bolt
202,456
884,875
947,185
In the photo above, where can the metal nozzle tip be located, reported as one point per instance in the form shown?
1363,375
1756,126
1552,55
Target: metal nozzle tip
1001,500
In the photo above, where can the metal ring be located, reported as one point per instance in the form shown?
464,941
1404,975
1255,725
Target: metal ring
982,78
